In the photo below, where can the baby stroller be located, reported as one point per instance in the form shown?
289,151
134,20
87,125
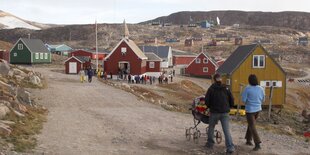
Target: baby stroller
201,114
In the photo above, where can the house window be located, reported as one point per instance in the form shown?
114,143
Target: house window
45,55
124,50
205,69
259,61
41,55
152,65
198,61
20,46
228,82
205,60
15,54
37,56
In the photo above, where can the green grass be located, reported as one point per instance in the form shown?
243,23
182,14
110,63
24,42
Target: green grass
22,136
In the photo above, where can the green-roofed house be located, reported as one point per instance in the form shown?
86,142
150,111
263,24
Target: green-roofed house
29,51
59,49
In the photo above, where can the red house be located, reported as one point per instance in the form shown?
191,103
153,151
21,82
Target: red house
153,64
202,66
182,58
189,42
126,57
81,52
74,64
5,55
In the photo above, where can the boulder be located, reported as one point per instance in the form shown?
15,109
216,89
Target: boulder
19,72
5,130
4,67
35,80
23,96
4,110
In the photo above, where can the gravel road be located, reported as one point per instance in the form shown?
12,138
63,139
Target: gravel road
93,118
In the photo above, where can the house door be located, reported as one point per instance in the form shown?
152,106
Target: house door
72,68
124,67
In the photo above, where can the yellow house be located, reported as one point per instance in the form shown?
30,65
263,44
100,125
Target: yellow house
254,59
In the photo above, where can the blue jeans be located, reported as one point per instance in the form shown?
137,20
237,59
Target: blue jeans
224,118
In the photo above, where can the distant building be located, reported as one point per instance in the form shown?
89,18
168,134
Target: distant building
197,38
172,40
91,53
262,41
205,24
238,40
155,23
222,37
303,41
59,49
164,52
182,59
202,66
192,25
29,51
150,41
189,42
5,55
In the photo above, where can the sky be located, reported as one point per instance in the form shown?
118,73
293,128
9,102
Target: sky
134,11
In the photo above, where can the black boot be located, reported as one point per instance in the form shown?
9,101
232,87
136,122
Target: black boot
257,147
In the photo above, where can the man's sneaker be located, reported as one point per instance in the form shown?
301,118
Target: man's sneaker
257,147
209,146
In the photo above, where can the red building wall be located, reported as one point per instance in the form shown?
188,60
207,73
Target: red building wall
156,66
101,56
137,66
81,53
85,65
195,69
5,55
182,60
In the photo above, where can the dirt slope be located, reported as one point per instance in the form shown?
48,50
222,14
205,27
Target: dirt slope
98,119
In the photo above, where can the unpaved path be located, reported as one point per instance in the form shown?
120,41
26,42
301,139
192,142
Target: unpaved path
93,118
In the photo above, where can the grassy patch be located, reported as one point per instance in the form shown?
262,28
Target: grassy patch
22,136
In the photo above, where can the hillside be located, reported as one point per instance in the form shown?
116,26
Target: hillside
5,45
295,20
9,21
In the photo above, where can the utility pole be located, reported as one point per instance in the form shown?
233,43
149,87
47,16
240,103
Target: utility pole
96,48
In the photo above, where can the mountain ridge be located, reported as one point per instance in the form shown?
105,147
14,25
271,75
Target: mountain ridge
289,19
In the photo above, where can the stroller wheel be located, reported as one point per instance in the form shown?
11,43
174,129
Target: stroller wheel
199,133
218,137
196,137
188,134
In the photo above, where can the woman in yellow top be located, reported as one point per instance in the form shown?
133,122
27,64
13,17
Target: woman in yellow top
82,75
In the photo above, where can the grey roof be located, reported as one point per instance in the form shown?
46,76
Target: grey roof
236,59
35,45
211,58
176,52
83,58
152,57
161,51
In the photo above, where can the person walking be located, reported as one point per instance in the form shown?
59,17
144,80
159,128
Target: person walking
219,100
82,75
90,75
253,97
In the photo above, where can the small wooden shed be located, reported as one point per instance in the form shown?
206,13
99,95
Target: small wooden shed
74,64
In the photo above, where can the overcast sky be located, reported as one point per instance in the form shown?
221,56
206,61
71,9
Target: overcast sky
115,11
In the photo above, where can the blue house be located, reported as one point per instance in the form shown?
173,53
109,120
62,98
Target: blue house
59,49
205,24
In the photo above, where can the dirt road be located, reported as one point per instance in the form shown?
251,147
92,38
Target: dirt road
93,118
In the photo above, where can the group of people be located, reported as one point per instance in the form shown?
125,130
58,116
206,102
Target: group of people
89,73
219,100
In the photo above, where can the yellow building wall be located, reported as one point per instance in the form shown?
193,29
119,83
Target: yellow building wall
269,73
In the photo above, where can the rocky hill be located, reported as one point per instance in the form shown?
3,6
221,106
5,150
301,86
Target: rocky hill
9,21
295,20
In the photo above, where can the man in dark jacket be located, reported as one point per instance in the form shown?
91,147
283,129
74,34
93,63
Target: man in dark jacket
219,100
